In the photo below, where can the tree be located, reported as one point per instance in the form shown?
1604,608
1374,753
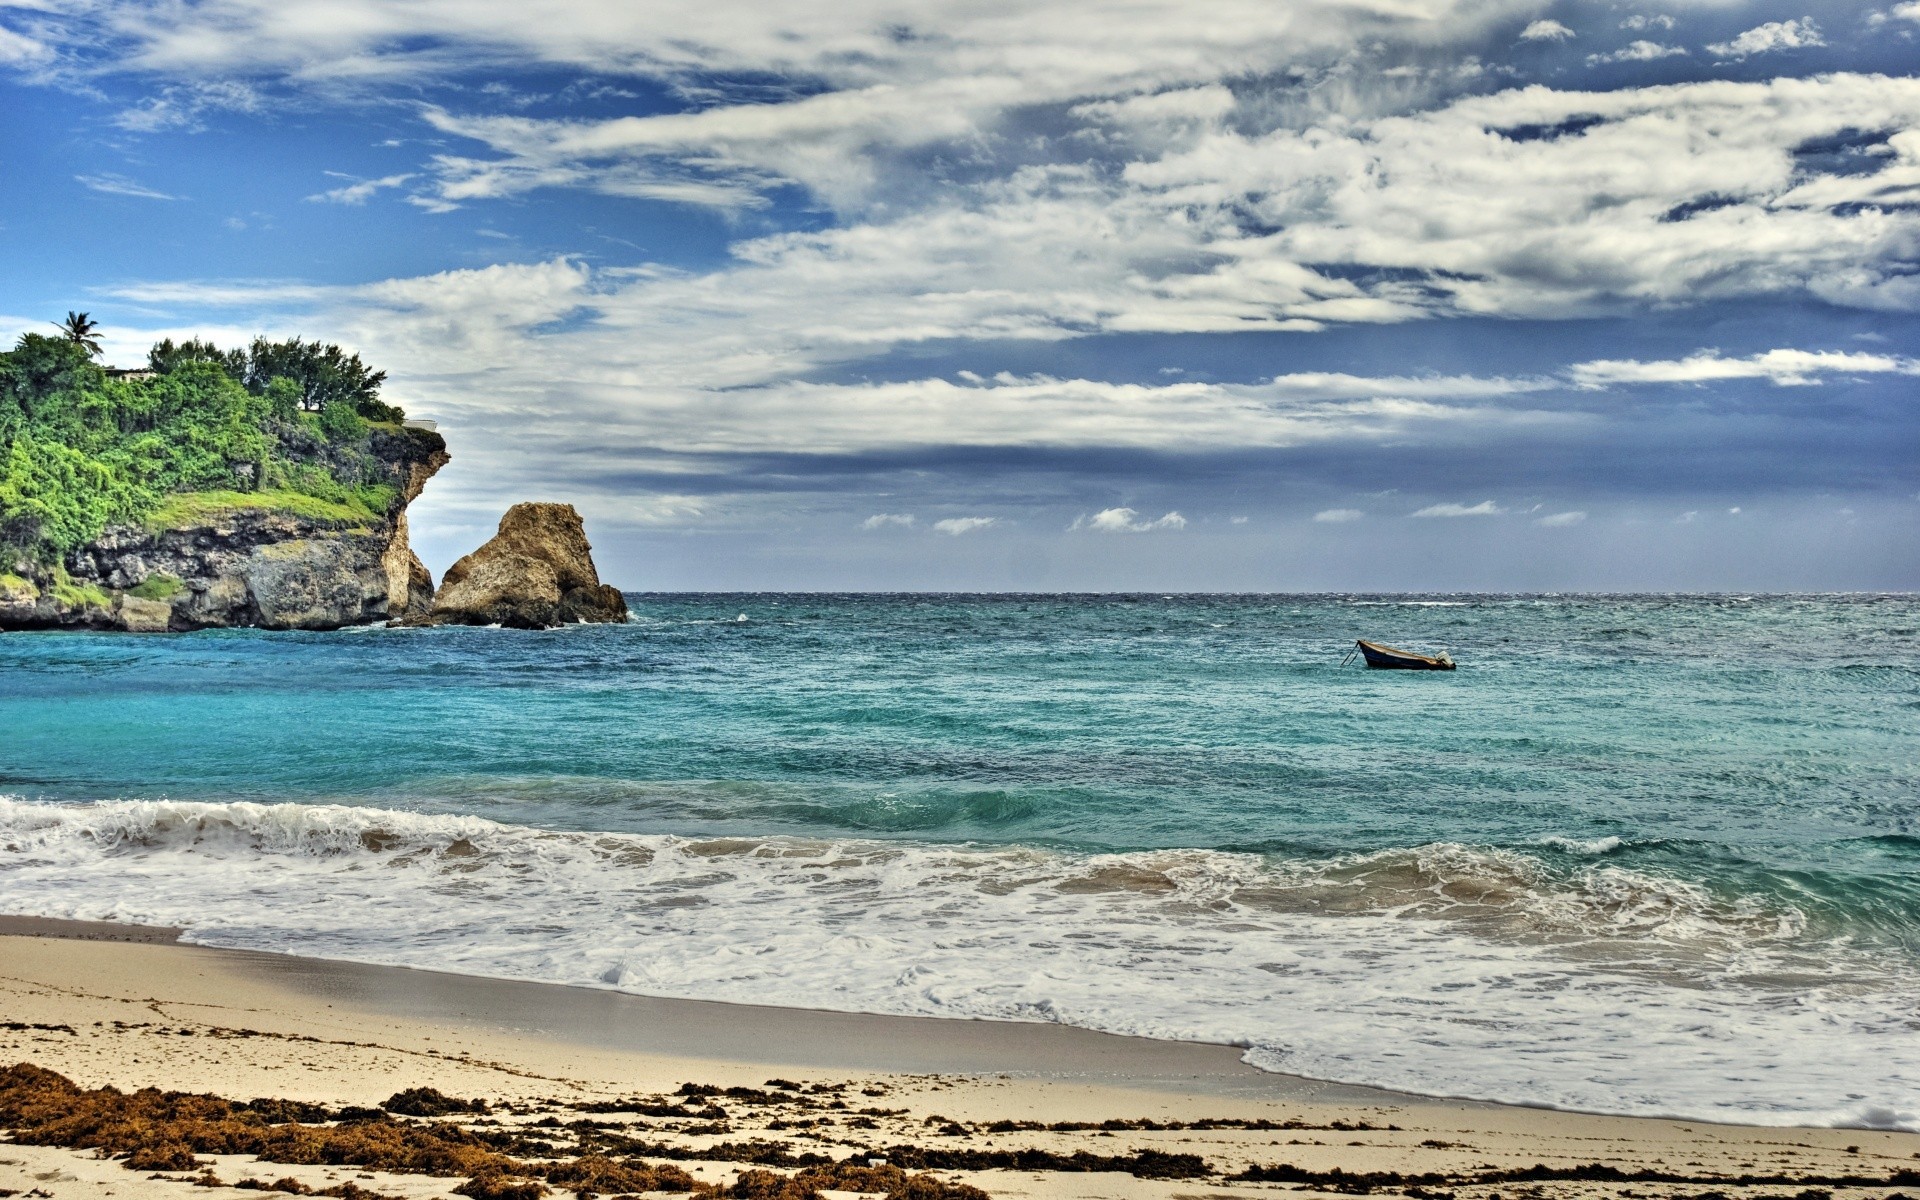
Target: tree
325,374
79,329
40,367
166,357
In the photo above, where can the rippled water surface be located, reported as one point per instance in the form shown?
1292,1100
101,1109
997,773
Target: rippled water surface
1639,854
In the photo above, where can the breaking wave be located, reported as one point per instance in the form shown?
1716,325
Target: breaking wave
1445,969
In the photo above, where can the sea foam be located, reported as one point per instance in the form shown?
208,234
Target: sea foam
1443,969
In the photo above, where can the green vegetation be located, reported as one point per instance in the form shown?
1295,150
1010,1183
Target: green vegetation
73,594
183,509
157,586
280,425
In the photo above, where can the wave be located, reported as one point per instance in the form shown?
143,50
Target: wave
1444,969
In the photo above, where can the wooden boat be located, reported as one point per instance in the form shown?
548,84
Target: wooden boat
1387,658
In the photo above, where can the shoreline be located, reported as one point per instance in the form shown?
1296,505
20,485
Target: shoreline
717,1096
719,1030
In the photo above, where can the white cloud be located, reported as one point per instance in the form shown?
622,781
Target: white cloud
359,191
869,77
1126,520
883,520
1783,368
120,185
1637,51
1910,11
19,50
1561,520
1486,508
182,106
1774,35
1647,21
1545,30
1336,516
956,526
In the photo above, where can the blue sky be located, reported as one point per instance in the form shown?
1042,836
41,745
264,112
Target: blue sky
1401,294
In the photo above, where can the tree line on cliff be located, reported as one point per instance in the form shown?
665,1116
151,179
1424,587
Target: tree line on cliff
285,424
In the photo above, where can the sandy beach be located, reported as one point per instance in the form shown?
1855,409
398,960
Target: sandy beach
763,1101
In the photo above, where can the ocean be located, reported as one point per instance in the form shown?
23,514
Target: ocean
1639,854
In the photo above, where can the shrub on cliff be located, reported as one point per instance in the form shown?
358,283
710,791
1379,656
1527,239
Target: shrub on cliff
315,375
81,449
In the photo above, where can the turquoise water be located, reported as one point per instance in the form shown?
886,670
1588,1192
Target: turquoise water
1639,854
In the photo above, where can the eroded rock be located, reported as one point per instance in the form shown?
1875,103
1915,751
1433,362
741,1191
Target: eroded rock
535,573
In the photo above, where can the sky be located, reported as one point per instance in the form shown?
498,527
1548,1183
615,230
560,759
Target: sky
988,295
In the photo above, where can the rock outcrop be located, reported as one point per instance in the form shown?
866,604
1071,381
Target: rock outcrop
235,564
536,572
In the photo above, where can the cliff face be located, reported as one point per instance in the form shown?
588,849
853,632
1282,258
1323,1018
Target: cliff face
230,562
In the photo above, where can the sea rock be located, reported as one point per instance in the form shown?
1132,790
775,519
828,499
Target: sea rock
535,573
242,565
145,616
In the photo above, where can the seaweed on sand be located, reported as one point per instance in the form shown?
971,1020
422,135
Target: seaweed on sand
430,1102
155,1130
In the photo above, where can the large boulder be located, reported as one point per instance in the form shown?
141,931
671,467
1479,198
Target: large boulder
536,573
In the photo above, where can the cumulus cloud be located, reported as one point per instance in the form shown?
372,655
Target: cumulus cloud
1561,520
1647,21
1909,11
883,520
1126,520
1338,516
359,191
815,95
955,526
1545,30
1641,50
1664,195
1486,508
1774,35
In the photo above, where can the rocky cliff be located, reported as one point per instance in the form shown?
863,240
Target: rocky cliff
233,558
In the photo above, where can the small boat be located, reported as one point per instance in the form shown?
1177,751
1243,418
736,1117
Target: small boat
1387,658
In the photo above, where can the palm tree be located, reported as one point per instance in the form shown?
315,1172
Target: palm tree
80,329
